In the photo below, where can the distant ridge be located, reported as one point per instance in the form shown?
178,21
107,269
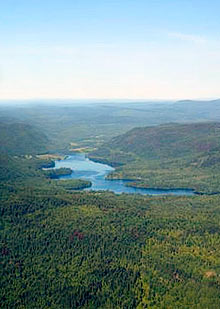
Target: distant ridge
199,101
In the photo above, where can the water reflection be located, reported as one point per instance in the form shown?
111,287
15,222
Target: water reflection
85,168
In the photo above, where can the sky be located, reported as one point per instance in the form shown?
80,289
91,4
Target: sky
125,49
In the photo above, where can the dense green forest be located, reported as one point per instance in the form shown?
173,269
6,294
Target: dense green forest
19,138
166,156
63,248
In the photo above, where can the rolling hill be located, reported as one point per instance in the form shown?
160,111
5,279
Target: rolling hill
172,140
167,156
20,139
91,124
62,248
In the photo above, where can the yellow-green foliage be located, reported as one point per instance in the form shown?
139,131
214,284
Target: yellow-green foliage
66,249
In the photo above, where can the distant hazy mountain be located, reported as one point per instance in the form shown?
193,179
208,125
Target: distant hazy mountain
204,102
197,110
92,122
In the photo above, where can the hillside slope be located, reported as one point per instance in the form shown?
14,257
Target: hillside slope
20,139
173,140
90,124
167,156
62,248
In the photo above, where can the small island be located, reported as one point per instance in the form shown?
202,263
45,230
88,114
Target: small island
74,184
57,173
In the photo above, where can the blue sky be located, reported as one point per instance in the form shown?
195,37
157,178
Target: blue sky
164,49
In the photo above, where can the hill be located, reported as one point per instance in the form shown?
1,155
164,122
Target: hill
190,110
20,139
62,248
90,124
167,156
172,140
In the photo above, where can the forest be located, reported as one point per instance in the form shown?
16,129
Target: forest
166,156
62,247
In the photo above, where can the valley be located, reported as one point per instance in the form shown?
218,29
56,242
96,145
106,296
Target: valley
109,154
65,245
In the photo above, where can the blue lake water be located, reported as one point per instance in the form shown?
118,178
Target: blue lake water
85,168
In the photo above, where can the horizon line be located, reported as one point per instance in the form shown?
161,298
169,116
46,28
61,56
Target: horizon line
108,99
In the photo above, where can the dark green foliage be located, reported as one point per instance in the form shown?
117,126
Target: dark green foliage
166,141
66,249
74,184
170,141
56,173
21,139
61,248
47,164
167,156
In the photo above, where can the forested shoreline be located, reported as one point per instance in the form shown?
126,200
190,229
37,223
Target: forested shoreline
65,248
167,156
109,154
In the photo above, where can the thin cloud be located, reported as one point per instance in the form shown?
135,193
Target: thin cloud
188,37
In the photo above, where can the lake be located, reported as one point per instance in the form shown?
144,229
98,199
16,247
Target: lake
85,168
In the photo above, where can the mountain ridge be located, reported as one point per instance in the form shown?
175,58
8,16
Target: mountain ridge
18,138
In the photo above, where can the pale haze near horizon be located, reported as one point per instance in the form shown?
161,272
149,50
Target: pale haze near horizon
109,49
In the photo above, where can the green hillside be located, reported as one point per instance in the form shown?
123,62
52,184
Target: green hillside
62,248
167,156
170,141
66,249
92,124
21,138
